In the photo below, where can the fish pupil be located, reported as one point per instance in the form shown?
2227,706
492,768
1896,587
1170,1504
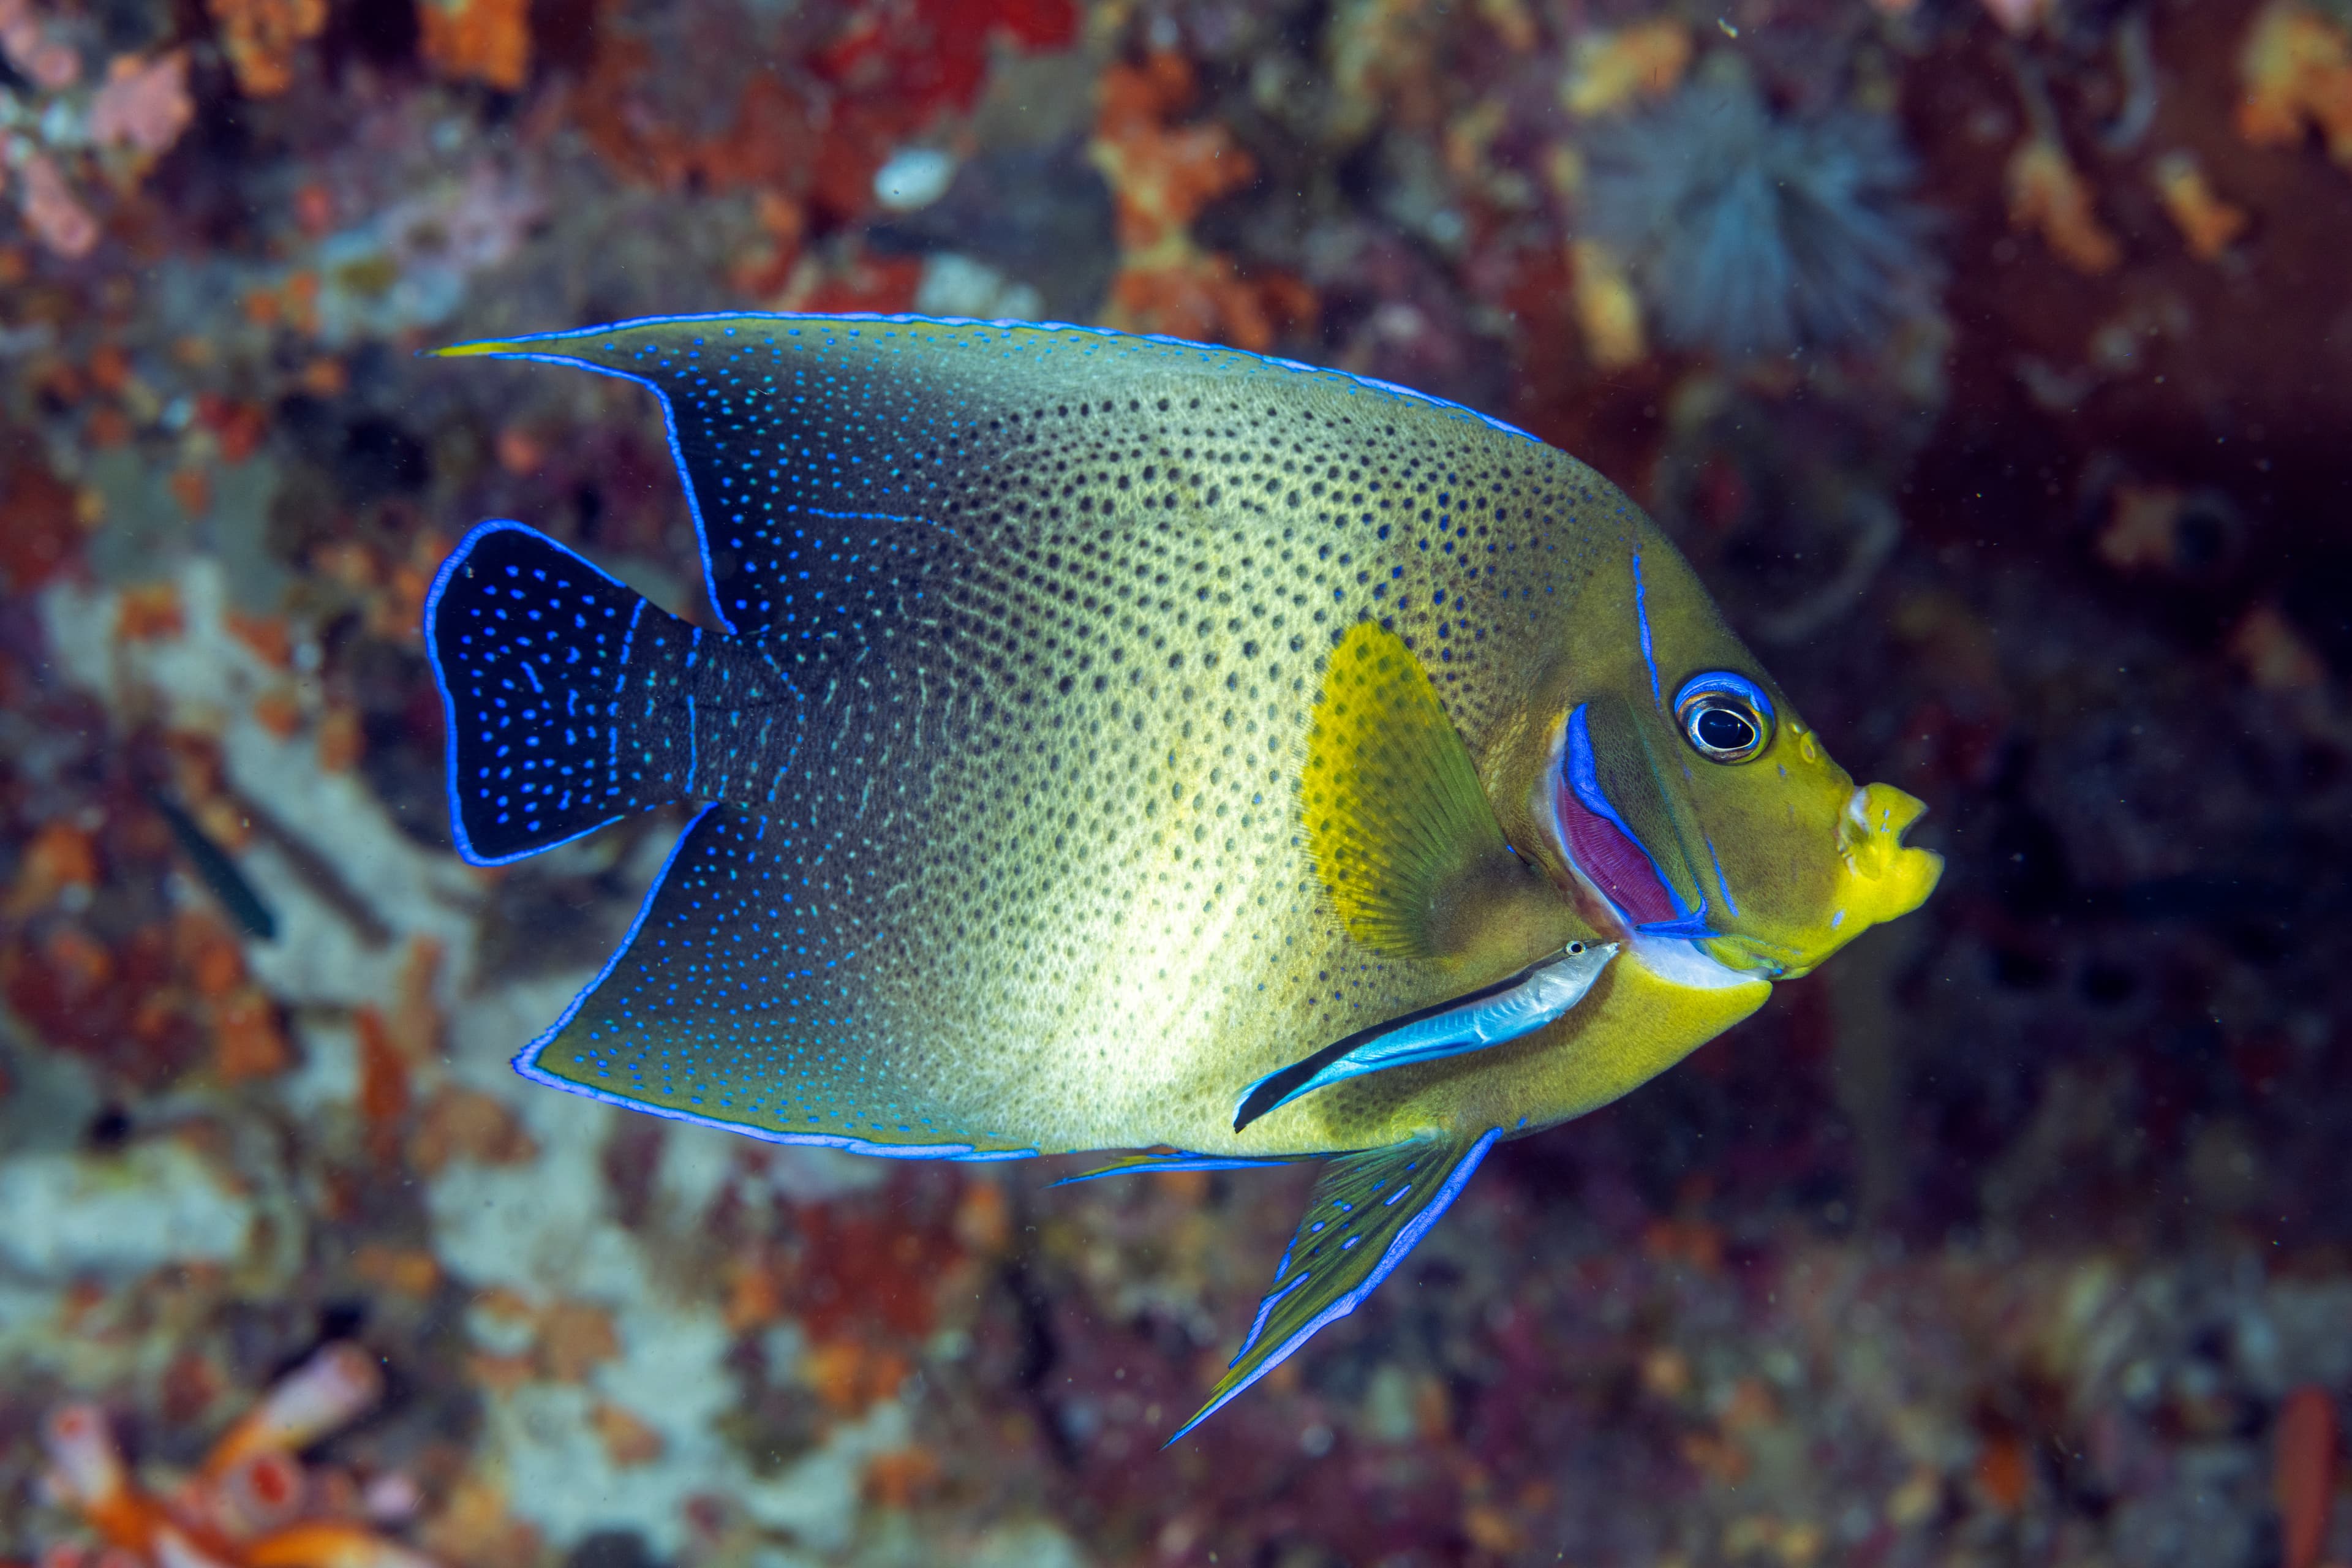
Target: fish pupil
1723,729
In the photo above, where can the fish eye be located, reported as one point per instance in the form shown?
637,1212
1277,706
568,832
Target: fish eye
1726,718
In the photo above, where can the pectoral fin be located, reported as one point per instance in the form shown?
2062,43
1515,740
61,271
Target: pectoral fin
1369,1211
1397,824
1511,1008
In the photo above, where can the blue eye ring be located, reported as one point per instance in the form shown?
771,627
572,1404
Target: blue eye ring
1725,716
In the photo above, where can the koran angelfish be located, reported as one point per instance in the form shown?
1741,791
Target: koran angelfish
1107,742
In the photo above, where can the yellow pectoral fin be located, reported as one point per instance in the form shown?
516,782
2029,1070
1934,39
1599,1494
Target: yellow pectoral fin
1401,832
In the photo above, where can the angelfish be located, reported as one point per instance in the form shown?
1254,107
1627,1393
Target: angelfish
1104,742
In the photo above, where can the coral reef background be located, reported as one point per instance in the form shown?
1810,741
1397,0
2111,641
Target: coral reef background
1991,358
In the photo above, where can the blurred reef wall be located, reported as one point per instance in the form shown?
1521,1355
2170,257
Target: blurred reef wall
1991,358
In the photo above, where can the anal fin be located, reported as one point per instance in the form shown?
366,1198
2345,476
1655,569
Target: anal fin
1367,1212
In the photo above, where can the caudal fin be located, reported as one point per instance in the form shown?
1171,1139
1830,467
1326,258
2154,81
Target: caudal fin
564,690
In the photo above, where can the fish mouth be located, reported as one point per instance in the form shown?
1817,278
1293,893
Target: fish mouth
1619,883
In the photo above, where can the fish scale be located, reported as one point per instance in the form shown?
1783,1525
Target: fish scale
1097,726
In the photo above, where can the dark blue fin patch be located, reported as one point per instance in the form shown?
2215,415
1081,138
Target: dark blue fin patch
564,691
1369,1211
1134,1164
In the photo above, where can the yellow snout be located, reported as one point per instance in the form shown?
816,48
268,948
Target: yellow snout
1882,878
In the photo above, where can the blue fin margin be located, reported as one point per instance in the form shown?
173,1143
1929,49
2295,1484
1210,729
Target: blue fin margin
518,348
1328,1283
525,1062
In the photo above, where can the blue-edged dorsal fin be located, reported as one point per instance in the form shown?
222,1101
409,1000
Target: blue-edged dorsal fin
1176,1160
1369,1210
826,458
733,1004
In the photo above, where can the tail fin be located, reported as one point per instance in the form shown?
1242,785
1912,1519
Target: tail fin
565,694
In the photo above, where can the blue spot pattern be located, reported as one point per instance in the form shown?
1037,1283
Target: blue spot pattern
562,690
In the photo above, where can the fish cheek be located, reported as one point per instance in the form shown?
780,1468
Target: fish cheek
1772,830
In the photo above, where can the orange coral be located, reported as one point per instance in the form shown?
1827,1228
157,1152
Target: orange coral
2046,193
1192,295
629,1441
2273,655
849,1375
149,613
1609,70
261,35
247,1040
2207,222
1606,307
252,1504
896,1477
2304,1474
1162,175
2141,530
478,41
2297,69
467,1124
60,855
342,742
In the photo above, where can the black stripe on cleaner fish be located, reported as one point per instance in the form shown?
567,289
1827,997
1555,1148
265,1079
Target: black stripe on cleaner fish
1100,742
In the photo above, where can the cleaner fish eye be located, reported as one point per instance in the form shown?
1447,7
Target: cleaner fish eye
1394,859
1726,718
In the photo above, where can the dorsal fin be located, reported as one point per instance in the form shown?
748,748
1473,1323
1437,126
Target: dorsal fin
1369,1211
829,458
1395,819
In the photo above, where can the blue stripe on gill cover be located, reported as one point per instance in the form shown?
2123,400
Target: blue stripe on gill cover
1370,1210
736,1004
561,689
